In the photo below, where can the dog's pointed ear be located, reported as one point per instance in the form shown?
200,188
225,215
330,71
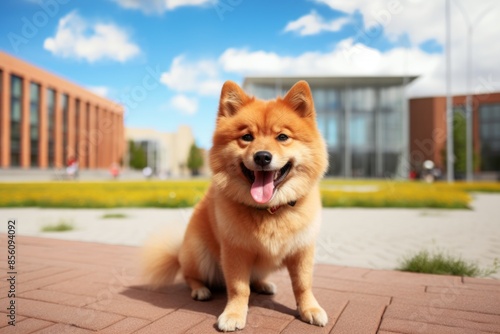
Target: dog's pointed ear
232,98
300,99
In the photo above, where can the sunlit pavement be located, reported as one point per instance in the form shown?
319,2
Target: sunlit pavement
366,238
95,286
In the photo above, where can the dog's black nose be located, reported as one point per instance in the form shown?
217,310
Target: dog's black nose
262,158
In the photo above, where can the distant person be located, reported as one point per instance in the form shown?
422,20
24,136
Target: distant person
72,168
147,172
427,173
114,170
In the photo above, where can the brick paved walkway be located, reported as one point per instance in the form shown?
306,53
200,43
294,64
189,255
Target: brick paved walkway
76,287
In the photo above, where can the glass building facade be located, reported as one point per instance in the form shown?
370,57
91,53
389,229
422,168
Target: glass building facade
489,119
364,121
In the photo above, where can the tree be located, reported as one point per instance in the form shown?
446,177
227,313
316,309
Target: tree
459,144
137,154
195,159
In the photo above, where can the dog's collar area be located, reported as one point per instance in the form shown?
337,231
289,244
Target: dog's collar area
272,210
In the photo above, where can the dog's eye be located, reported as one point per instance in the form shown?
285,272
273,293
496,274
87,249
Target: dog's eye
282,137
247,137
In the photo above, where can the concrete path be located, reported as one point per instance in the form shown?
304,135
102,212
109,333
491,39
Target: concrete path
366,238
80,287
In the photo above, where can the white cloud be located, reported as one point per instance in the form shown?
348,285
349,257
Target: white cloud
348,59
184,104
77,38
99,90
355,59
421,20
201,77
160,6
312,24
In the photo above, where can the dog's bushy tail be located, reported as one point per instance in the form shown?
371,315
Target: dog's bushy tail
160,259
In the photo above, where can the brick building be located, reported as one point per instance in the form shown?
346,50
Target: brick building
46,120
428,130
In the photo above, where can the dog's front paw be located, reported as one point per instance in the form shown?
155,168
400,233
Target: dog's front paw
314,316
231,321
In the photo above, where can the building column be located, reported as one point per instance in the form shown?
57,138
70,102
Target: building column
347,134
25,124
116,142
476,137
5,120
106,129
123,141
58,128
113,138
379,153
70,149
404,163
43,138
91,137
98,137
81,140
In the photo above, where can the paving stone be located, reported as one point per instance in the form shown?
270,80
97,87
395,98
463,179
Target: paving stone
358,317
57,297
173,323
125,326
64,329
445,317
80,317
84,291
414,327
26,326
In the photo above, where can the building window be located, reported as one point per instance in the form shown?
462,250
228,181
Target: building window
361,131
51,121
65,119
34,123
489,118
16,87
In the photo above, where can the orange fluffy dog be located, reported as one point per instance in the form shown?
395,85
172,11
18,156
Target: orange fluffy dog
262,210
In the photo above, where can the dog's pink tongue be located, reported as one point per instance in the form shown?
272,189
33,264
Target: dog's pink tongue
263,186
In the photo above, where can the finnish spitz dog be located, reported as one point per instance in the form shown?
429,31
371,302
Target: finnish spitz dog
262,210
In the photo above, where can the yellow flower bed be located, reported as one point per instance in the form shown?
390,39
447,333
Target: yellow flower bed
397,194
174,194
103,194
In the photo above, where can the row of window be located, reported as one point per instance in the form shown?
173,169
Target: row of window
16,98
367,121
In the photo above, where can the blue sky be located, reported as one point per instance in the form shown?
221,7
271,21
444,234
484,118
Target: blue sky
166,60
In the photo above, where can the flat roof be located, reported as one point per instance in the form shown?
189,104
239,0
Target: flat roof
333,81
17,66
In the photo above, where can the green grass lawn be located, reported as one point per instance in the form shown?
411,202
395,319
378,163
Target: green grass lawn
62,226
440,263
175,194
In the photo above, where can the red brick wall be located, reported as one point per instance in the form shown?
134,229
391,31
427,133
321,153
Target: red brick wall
105,133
